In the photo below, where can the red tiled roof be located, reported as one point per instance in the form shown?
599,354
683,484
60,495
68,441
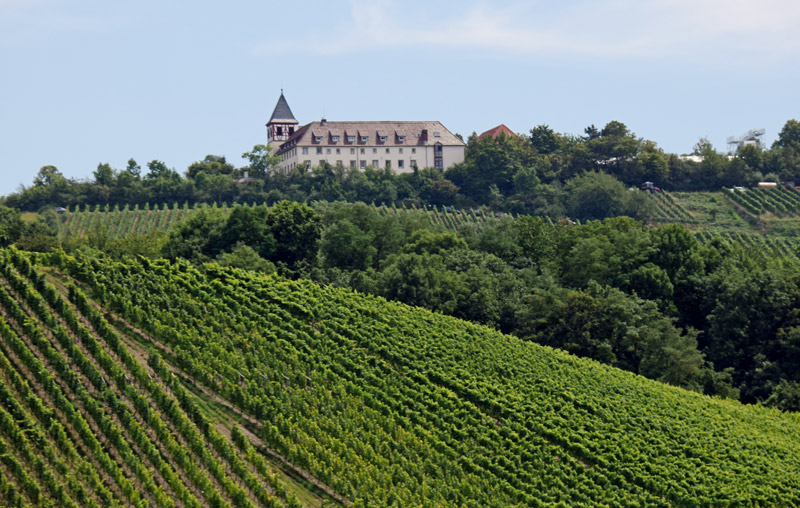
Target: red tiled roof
500,129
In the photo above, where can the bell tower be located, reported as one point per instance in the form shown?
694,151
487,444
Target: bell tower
282,123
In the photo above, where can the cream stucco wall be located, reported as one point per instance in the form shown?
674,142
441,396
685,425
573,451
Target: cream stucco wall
401,158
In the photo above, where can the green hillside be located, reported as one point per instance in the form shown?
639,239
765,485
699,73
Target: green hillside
153,383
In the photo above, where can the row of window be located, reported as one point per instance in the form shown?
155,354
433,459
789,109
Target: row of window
365,139
401,164
352,150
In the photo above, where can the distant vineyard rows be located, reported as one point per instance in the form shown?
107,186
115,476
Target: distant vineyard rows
669,210
118,222
778,201
768,245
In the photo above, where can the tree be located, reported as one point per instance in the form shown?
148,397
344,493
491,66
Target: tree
104,174
133,169
199,238
211,165
11,226
296,228
544,140
789,137
346,246
491,161
248,226
158,169
246,258
38,236
596,195
47,176
610,326
261,162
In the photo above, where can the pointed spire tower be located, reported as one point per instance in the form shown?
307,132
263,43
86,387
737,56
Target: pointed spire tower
282,123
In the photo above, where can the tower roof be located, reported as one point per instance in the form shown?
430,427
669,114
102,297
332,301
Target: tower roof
282,112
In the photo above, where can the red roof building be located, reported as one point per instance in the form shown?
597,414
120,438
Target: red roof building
500,129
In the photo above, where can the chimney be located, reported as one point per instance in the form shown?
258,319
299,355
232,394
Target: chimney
323,121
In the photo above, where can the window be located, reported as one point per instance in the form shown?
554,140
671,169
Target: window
374,150
351,139
338,150
319,150
387,150
317,139
307,163
400,164
363,139
400,150
437,134
401,139
339,163
353,164
363,164
382,139
291,130
363,150
334,139
280,131
439,164
413,150
305,150
374,164
388,164
352,151
328,151
413,163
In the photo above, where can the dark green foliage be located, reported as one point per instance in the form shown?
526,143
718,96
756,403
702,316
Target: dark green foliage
296,229
11,226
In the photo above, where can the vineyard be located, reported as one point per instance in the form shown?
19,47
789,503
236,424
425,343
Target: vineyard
772,201
776,246
113,378
119,222
669,209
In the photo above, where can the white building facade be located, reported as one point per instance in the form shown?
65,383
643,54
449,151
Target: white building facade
399,146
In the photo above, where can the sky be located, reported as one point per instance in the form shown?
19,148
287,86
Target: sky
84,82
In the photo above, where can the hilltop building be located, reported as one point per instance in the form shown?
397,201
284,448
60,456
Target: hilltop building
399,146
497,131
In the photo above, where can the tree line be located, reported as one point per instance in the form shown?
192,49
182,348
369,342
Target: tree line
538,173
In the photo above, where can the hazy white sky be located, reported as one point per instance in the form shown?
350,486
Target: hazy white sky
90,81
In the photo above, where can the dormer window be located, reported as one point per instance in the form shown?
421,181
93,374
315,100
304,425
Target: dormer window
401,139
363,139
351,139
317,139
334,139
382,139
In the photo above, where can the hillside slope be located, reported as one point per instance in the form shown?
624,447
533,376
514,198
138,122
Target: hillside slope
367,401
